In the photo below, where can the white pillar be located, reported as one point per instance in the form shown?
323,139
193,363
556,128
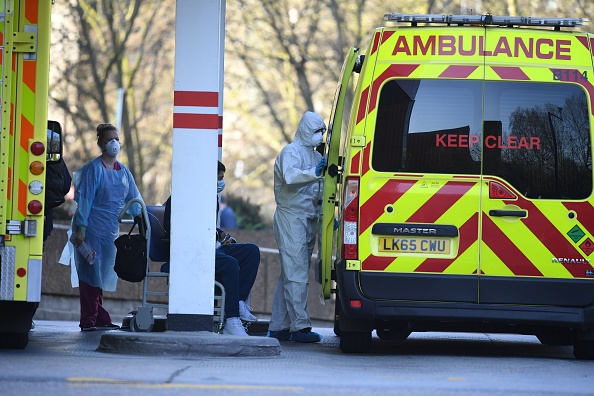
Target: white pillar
197,124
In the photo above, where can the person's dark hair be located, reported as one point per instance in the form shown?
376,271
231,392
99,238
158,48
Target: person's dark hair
221,167
103,128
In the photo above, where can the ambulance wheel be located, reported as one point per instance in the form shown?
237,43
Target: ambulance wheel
555,337
14,340
337,316
393,334
355,342
583,349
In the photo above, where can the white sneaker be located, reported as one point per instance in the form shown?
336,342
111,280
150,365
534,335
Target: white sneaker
234,327
245,314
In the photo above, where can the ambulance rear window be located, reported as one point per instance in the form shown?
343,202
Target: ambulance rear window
537,138
413,118
533,135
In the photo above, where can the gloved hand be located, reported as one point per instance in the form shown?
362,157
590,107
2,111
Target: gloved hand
320,166
336,224
79,237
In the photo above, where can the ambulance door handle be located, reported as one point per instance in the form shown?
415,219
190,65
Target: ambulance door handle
510,213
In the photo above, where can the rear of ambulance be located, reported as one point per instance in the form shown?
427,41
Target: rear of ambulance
451,220
23,138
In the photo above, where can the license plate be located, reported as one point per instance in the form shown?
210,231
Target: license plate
415,245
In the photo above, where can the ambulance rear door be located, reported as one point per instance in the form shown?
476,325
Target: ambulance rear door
420,182
537,215
332,177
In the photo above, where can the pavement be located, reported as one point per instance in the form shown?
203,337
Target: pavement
161,342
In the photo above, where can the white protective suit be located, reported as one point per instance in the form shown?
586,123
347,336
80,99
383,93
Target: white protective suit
298,194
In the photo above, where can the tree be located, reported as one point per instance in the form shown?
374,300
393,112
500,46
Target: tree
111,45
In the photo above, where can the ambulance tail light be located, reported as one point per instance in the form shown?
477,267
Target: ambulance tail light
350,218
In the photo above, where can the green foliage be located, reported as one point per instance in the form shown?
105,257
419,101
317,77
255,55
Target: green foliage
248,214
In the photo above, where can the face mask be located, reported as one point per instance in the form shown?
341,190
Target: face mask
112,148
316,139
220,185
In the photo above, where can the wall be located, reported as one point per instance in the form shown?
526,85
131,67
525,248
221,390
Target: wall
60,300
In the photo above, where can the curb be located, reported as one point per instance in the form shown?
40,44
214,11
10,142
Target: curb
187,344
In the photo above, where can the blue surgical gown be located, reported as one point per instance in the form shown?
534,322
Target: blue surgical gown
101,194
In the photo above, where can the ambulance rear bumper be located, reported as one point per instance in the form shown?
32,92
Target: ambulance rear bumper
374,309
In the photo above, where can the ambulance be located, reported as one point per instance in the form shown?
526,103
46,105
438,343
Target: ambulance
460,172
24,152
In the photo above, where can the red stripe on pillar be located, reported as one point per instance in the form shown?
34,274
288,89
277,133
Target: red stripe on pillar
196,98
196,121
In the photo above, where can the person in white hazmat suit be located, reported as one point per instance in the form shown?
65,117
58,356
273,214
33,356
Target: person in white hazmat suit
298,193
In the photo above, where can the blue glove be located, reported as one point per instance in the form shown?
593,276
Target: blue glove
336,224
320,166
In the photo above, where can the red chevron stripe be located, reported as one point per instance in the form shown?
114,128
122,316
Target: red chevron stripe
441,201
9,183
29,74
510,73
585,214
366,152
374,47
396,70
509,253
32,11
386,36
551,237
389,193
468,235
355,163
26,133
458,71
22,203
362,105
374,263
584,41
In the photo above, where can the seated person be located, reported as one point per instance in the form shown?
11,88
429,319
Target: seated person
236,267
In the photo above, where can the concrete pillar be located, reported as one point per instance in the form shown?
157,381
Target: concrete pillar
197,142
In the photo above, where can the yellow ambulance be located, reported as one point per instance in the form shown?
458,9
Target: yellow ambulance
460,172
27,143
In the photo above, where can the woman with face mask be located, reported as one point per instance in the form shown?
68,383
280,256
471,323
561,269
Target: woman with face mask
102,188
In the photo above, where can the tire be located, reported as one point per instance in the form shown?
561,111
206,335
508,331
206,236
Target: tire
556,337
337,315
583,349
393,334
355,342
14,340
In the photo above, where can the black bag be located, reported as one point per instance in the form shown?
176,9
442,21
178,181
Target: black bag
131,259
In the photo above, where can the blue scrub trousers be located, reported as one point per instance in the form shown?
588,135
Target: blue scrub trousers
236,267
